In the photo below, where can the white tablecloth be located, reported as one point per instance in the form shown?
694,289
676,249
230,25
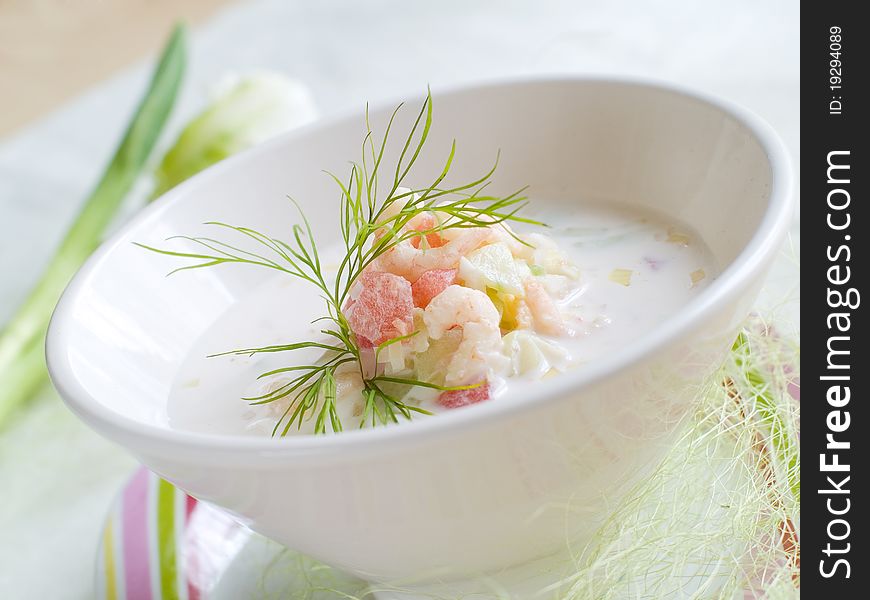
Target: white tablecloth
56,477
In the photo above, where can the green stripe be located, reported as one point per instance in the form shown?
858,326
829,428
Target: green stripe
166,540
109,558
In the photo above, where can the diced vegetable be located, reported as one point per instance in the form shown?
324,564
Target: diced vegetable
621,276
458,398
491,267
430,284
677,237
654,263
509,309
531,354
545,257
394,356
383,309
524,271
431,365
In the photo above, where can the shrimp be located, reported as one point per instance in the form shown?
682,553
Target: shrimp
472,311
443,248
426,221
410,262
499,232
503,233
545,314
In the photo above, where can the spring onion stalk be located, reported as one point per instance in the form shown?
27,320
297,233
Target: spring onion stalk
249,110
22,366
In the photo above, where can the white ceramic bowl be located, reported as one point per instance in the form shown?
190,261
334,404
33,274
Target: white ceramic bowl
478,490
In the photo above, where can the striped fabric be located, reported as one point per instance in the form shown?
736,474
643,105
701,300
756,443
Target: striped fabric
152,546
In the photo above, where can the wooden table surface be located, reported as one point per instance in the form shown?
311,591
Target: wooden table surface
50,50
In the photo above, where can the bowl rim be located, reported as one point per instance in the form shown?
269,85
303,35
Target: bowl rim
736,276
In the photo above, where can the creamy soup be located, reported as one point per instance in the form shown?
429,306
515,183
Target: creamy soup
627,272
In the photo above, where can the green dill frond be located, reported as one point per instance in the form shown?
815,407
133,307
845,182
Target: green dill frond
278,348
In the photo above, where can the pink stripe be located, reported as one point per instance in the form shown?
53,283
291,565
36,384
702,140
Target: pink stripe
189,549
191,504
137,573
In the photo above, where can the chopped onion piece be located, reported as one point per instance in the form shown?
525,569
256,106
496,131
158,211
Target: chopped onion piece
621,276
675,237
531,354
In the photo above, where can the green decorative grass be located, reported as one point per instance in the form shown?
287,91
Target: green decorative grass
718,518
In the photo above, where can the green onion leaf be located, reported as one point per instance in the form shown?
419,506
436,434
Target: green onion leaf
22,367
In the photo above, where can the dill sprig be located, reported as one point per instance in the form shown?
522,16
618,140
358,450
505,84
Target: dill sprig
312,388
